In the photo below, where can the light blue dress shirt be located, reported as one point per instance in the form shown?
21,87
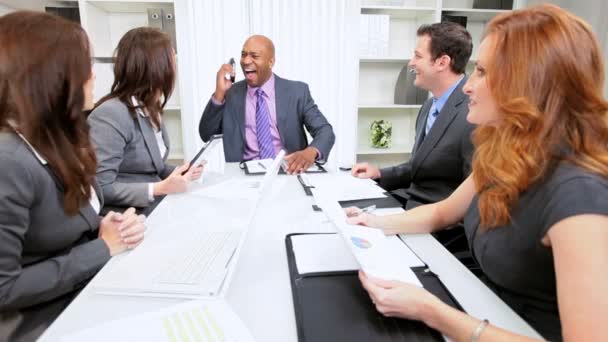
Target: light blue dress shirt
438,104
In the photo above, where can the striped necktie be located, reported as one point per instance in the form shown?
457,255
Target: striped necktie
262,122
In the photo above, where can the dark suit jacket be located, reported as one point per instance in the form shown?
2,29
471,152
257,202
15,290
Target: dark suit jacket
127,154
295,108
441,161
45,255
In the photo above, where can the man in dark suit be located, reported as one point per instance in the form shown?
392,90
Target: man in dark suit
441,157
265,113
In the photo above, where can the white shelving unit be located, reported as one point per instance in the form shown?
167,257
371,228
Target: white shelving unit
105,23
378,74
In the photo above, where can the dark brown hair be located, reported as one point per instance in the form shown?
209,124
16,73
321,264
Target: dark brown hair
450,39
145,69
44,64
546,75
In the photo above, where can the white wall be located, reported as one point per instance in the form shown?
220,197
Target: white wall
4,9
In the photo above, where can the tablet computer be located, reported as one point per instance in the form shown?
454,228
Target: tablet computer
214,139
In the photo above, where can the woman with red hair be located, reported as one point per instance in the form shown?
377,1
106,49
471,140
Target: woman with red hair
536,204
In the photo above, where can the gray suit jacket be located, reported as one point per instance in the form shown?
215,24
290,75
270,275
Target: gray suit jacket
441,161
45,255
295,108
127,154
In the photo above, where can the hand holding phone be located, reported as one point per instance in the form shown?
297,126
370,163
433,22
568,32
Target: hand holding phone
231,75
224,80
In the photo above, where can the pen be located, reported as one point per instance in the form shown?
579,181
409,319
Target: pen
369,209
262,165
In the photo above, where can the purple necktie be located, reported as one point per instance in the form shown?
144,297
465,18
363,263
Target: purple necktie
262,123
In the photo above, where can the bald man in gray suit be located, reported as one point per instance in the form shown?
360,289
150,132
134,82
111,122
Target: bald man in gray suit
265,113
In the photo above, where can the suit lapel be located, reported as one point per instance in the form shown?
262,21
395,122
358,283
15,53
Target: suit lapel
281,100
86,211
446,117
148,133
421,124
99,193
240,94
89,215
166,139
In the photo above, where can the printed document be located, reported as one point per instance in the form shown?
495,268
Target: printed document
201,320
380,256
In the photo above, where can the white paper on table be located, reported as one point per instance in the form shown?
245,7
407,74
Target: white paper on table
380,256
322,253
258,166
200,320
345,187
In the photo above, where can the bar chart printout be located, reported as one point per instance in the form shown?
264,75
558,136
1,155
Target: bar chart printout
194,321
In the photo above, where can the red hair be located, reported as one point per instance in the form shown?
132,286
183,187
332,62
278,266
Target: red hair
546,75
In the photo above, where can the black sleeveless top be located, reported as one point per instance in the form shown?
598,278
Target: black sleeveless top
518,267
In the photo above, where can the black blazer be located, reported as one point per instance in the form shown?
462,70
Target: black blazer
441,161
295,109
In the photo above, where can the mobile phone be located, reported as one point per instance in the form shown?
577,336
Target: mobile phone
228,75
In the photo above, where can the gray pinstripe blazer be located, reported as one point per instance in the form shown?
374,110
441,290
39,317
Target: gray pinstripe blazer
45,255
127,154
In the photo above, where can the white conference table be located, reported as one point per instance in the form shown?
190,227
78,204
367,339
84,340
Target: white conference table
260,290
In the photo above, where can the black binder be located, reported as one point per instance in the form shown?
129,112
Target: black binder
384,202
333,306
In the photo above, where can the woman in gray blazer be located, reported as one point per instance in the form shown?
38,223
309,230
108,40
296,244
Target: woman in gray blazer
52,240
127,129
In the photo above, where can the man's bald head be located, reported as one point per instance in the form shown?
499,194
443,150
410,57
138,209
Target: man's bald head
257,60
261,41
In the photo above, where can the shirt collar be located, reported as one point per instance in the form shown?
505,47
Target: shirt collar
38,156
139,111
267,87
440,102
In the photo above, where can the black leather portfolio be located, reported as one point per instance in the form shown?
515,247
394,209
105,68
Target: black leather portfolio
385,202
333,306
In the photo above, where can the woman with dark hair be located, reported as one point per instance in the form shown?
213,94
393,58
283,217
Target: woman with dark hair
127,129
52,240
535,207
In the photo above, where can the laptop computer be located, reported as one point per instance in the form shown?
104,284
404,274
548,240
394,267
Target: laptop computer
186,260
252,188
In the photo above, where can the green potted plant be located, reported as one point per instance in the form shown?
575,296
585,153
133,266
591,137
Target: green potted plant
380,133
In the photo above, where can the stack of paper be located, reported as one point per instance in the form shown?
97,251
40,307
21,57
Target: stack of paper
322,253
209,320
